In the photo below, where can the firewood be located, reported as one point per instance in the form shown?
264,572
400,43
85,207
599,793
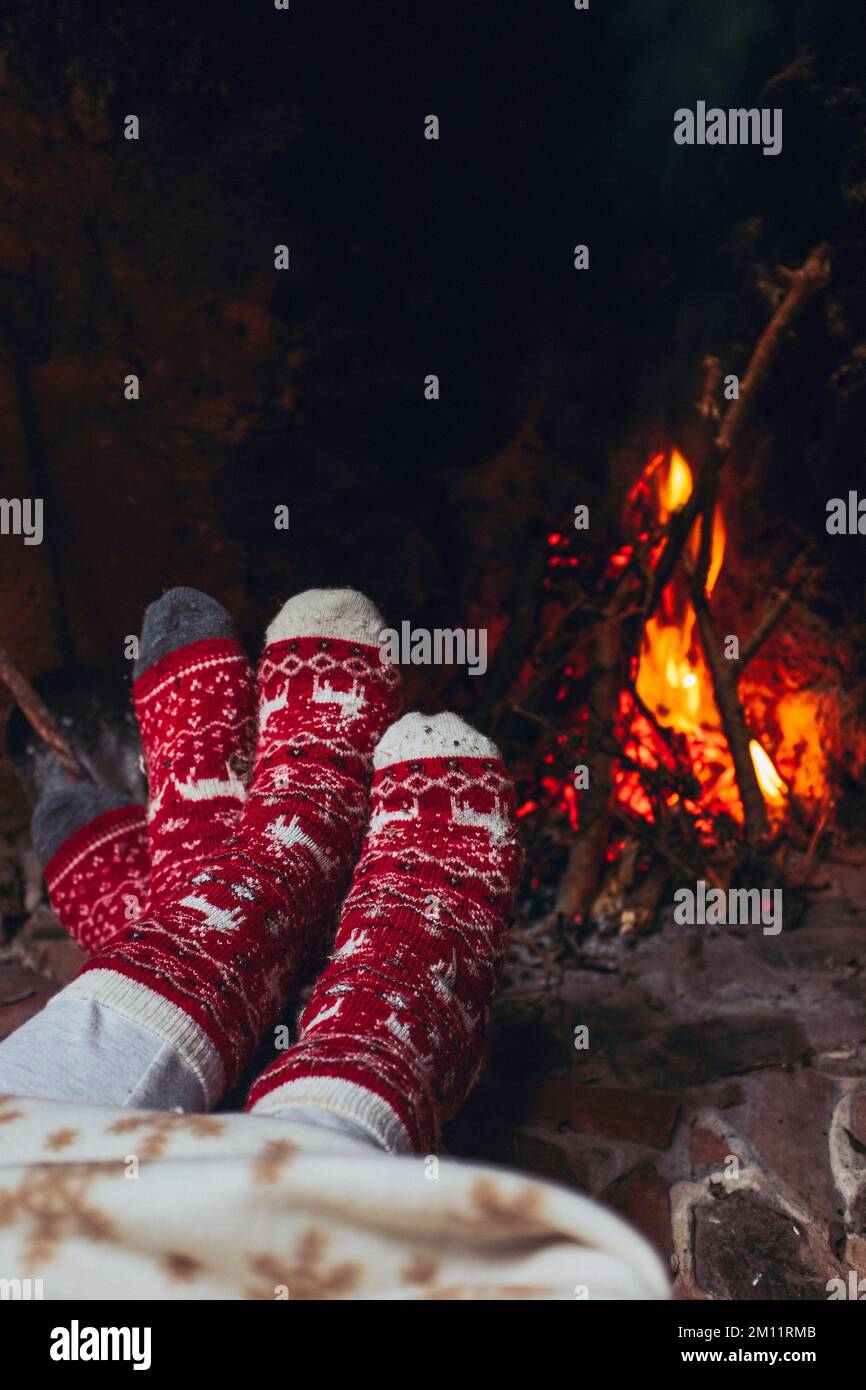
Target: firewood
802,285
577,885
40,717
727,697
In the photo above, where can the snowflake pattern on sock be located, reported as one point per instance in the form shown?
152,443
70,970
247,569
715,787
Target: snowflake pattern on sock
98,879
393,1035
210,964
196,711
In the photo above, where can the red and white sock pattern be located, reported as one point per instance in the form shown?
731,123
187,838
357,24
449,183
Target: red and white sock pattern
393,1036
98,880
208,968
196,712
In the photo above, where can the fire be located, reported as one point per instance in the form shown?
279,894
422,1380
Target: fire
675,487
672,678
801,719
769,781
673,725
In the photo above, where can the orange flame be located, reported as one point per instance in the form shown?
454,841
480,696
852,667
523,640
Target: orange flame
771,784
672,677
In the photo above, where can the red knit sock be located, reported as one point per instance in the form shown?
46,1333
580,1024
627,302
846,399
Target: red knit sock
392,1038
98,880
196,712
208,968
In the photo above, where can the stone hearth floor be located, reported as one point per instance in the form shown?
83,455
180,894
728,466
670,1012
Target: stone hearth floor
718,1105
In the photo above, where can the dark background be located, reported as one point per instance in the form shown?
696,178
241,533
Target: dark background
305,388
408,257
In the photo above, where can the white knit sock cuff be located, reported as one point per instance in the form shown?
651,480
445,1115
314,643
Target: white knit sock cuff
139,1004
369,1111
328,613
431,736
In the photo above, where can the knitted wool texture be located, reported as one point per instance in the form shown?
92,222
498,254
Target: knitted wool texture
209,966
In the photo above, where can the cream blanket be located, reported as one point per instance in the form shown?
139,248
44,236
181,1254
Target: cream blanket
102,1203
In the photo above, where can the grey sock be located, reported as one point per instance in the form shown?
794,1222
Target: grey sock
181,616
64,806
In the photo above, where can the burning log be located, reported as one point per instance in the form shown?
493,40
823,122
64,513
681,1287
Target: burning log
623,905
726,677
774,610
577,885
726,691
802,285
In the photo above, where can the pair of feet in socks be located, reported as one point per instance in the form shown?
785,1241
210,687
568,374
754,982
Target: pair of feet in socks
199,917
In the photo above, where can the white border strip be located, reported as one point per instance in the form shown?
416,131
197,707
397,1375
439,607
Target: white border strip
350,1101
142,1005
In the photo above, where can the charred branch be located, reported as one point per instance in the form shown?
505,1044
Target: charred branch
577,885
725,689
39,716
802,286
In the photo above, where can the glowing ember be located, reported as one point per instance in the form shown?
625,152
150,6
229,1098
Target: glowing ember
799,716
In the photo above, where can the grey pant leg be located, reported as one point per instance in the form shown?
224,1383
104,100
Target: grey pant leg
76,1049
